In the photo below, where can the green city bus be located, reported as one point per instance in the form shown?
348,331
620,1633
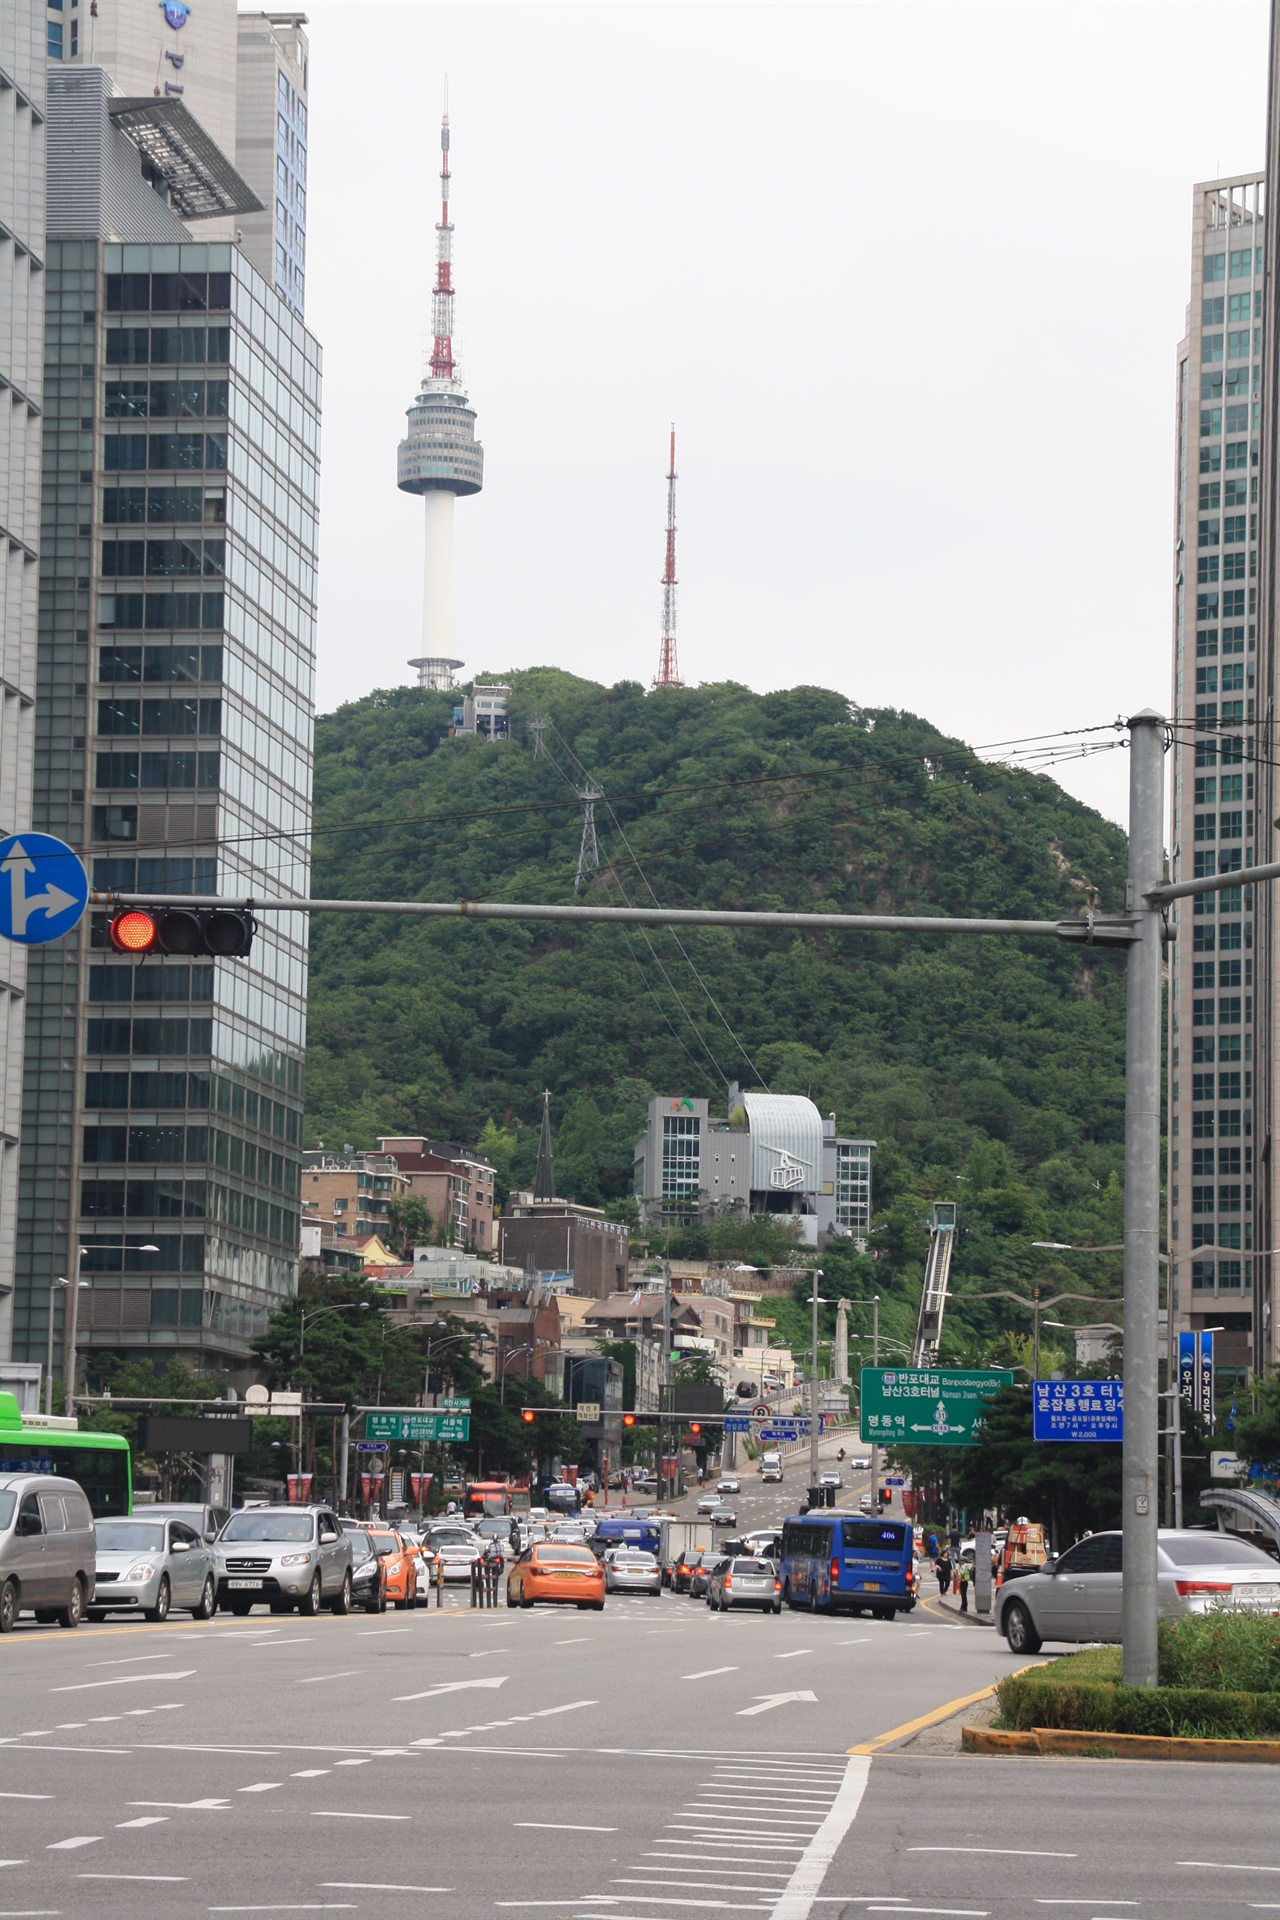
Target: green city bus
41,1443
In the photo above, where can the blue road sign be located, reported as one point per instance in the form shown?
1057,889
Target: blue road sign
779,1433
1078,1409
736,1426
43,888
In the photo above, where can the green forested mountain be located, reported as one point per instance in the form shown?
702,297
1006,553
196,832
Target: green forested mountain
988,1070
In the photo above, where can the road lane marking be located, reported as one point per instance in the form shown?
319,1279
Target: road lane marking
311,1773
766,1701
453,1686
122,1680
372,1633
1226,1866
76,1840
563,1826
708,1672
376,1886
796,1902
261,1786
186,1806
1020,1853
961,1913
311,1679
299,1906
26,1796
168,1878
351,1763
146,1820
487,1653
134,1660
320,1815
794,1653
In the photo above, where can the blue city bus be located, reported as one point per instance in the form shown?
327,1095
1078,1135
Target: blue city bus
833,1562
627,1530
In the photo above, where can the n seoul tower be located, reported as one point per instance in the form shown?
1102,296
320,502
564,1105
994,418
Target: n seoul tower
440,456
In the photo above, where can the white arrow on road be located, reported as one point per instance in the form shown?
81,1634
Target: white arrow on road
766,1700
51,902
455,1686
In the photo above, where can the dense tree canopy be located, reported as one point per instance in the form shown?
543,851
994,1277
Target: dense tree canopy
986,1070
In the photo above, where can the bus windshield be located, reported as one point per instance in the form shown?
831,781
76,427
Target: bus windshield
101,1469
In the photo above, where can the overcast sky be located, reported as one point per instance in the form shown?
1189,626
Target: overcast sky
908,279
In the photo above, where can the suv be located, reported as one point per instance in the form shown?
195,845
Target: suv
289,1556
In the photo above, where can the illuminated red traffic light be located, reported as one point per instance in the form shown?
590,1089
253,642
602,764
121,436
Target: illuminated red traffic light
695,1428
133,931
528,1415
628,1419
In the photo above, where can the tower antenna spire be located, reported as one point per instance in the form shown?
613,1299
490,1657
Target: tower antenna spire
668,674
440,457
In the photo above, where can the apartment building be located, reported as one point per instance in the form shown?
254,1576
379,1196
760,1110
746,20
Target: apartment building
353,1193
1219,1125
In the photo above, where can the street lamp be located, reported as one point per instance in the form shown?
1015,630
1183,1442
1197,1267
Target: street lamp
503,1360
48,1371
318,1313
815,1301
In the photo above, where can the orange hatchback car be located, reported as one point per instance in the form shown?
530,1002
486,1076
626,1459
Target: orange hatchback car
568,1575
400,1565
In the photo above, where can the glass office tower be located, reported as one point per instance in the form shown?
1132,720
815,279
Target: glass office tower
174,745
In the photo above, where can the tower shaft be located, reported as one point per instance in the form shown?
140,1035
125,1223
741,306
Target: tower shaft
442,296
668,674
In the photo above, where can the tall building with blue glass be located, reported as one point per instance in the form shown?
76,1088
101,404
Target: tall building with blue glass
175,677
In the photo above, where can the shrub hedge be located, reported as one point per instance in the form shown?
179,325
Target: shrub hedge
1227,1652
1035,1699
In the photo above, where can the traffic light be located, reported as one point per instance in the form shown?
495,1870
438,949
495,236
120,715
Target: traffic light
628,1419
695,1428
225,932
528,1415
886,1496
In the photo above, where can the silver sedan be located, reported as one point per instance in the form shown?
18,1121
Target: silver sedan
630,1571
148,1566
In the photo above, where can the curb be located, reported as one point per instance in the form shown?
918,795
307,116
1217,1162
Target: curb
1117,1746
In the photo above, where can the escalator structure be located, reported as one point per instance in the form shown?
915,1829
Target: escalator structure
937,1274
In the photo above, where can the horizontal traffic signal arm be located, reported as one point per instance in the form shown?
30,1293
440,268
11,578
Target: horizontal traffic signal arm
222,932
1092,929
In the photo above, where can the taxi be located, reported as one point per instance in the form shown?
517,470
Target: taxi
399,1563
563,1574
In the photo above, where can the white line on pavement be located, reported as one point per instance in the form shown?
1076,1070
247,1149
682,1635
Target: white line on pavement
563,1826
311,1679
26,1796
453,1686
311,1773
794,1653
147,1820
168,1878
796,1902
186,1806
76,1840
301,1906
708,1672
134,1660
376,1886
1021,1853
317,1815
1226,1866
372,1633
261,1786
122,1680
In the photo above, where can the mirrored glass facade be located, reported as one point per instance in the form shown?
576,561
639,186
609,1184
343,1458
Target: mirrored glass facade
174,744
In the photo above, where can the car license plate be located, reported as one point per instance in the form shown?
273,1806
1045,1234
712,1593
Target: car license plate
244,1583
871,1586
1263,1594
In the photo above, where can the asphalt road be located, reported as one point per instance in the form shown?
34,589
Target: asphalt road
649,1762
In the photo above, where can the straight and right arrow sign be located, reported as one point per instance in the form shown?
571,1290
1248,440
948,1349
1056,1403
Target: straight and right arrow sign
764,1701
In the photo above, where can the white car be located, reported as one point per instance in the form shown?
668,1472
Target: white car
629,1570
708,1503
1078,1595
728,1485
829,1477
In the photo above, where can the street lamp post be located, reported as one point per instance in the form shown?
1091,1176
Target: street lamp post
815,1301
48,1371
318,1313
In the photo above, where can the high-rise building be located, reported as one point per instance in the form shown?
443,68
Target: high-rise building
1219,1136
161,1133
162,49
22,284
439,456
1267,1201
271,147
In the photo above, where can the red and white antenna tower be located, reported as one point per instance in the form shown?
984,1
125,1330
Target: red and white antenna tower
442,296
668,674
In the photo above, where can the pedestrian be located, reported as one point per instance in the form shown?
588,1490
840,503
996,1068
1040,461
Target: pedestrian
942,1568
966,1575
931,1546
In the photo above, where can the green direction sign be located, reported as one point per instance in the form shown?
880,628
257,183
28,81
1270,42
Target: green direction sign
428,1425
926,1406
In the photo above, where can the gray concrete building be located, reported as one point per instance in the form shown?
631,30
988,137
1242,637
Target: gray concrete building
770,1153
1218,1135
162,1119
22,284
272,67
1266,1332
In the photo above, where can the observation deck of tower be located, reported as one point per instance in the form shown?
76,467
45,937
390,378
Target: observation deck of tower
440,457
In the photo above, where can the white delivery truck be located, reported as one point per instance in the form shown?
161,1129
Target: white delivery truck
770,1466
682,1537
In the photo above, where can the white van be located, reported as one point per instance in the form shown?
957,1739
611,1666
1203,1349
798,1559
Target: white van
770,1466
48,1550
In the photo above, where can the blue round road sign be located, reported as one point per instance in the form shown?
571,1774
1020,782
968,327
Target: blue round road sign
43,888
